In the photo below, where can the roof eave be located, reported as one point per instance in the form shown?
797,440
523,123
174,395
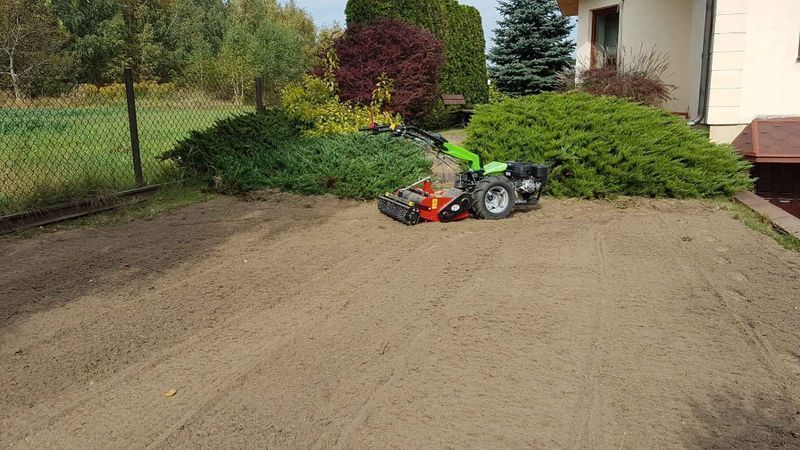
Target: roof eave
569,7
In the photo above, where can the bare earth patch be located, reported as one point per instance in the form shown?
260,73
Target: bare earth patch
313,322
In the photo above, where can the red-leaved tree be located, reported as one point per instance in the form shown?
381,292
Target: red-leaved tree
409,55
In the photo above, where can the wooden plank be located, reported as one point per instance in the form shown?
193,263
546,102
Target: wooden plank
454,99
780,218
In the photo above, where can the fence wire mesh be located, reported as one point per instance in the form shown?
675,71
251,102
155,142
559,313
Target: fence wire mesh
77,144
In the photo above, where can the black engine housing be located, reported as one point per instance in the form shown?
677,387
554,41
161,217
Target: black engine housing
529,179
518,170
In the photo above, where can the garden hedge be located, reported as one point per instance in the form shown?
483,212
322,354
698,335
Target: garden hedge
459,26
605,146
269,149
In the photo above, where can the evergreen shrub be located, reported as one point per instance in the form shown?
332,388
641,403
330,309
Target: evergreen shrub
270,150
606,146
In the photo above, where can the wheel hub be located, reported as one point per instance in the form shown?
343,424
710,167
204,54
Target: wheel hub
496,199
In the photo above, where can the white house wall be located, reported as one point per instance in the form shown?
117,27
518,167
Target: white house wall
727,67
755,68
772,73
673,27
695,63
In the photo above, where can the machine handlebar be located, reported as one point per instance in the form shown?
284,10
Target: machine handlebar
408,132
377,129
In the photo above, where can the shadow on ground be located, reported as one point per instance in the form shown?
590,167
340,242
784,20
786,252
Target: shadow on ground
51,270
735,421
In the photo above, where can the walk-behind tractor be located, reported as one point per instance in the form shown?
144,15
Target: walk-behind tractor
489,191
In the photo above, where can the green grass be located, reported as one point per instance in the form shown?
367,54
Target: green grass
760,224
455,135
167,198
50,155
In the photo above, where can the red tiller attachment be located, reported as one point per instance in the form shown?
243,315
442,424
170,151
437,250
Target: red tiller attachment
412,205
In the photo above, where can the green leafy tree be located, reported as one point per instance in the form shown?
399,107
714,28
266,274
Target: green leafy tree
197,29
532,47
274,50
269,51
235,69
31,43
298,19
98,36
203,43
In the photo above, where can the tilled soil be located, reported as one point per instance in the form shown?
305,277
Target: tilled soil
313,322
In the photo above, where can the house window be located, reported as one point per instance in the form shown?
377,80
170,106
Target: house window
605,35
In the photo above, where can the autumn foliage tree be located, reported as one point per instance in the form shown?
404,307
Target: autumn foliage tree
410,56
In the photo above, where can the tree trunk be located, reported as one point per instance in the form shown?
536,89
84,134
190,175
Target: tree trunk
235,91
14,78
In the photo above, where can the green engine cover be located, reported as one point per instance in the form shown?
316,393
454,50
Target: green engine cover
495,167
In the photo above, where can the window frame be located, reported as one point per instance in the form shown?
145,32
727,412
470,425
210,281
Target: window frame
596,15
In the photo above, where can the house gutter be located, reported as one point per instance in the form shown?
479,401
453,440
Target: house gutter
705,71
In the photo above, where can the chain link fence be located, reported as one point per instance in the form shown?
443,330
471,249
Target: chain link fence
91,142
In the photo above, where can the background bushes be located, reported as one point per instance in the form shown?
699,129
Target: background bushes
459,26
604,146
218,46
270,150
408,55
320,112
464,71
636,76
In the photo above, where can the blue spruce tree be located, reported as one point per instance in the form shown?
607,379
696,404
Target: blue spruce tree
532,46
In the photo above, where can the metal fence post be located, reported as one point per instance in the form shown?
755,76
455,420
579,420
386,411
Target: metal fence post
260,94
134,128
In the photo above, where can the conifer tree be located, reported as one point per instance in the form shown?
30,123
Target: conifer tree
532,46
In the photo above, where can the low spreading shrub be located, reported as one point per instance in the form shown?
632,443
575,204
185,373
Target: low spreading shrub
270,150
605,146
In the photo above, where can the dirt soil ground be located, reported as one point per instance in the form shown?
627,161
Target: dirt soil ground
318,323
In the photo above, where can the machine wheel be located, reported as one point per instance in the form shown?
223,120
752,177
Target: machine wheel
493,198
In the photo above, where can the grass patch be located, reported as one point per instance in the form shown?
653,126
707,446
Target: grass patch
456,135
762,225
166,198
52,153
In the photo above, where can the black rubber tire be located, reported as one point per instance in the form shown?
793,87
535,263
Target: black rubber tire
479,209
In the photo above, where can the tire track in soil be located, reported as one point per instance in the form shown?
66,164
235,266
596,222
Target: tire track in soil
590,397
436,329
747,326
318,358
200,340
312,322
775,412
338,432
